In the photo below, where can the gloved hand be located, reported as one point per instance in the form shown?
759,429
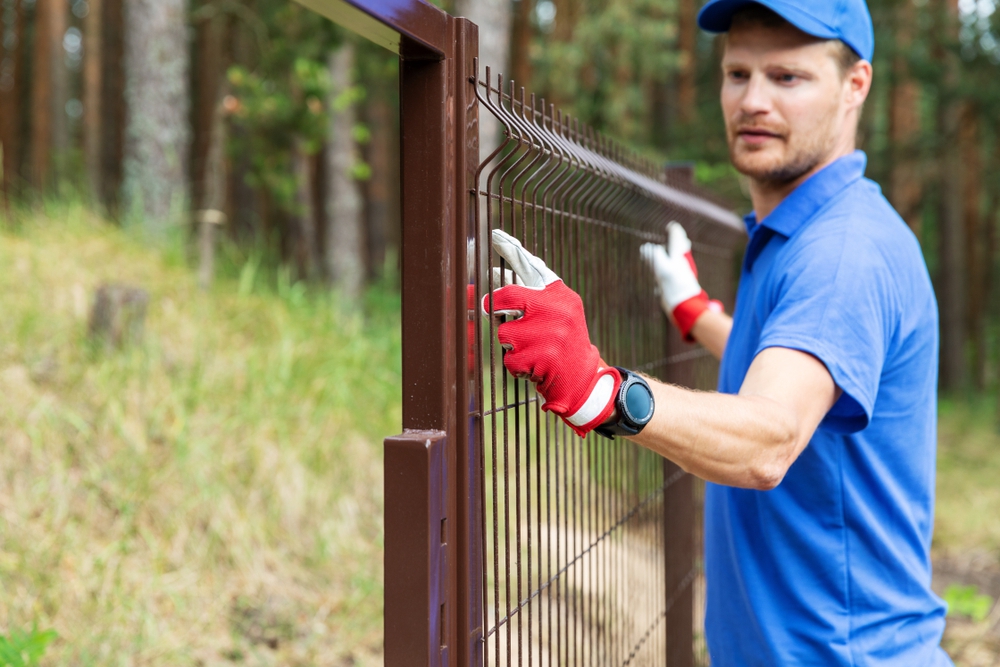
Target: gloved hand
548,341
680,293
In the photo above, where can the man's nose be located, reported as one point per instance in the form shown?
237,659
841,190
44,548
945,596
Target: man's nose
756,99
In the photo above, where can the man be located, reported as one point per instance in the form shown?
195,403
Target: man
819,447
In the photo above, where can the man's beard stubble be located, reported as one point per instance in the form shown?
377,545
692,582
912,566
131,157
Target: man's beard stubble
801,162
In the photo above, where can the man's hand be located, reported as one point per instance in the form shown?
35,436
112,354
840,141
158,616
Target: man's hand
682,297
548,342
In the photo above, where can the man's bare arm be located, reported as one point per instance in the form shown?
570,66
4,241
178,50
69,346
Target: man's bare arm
751,439
712,331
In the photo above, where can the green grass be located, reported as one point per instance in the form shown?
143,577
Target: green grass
211,496
968,493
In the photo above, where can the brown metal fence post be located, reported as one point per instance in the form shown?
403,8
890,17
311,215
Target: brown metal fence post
435,164
678,516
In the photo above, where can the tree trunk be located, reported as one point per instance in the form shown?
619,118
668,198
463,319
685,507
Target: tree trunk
303,228
494,19
112,149
905,179
344,236
975,257
48,77
213,189
12,47
952,277
209,75
382,188
93,51
687,29
521,32
156,97
952,280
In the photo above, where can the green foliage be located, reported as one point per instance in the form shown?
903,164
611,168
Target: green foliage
285,98
604,69
21,649
967,601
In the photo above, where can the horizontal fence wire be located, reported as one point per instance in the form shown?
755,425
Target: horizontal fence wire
576,536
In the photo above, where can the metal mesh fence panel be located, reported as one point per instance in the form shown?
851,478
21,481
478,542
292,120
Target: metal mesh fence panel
590,547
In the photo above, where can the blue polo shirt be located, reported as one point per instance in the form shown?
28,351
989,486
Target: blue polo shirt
832,567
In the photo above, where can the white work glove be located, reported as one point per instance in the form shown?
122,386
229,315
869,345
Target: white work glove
677,277
548,341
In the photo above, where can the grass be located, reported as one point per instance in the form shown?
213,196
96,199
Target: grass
968,495
211,496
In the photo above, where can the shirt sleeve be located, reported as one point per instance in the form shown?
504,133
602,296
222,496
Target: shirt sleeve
833,301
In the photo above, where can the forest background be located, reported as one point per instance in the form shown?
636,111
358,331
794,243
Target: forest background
213,497
260,115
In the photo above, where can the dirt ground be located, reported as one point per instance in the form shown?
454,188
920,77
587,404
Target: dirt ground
971,644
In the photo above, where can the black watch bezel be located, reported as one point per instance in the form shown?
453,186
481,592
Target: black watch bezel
628,424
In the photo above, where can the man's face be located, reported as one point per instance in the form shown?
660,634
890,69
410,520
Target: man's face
784,100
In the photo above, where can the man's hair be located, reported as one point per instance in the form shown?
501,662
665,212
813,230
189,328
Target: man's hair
760,16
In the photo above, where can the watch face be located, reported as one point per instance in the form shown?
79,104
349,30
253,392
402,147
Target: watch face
638,403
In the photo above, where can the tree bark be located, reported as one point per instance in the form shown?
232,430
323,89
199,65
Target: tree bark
209,75
975,251
952,277
345,229
93,51
905,179
382,214
112,149
493,18
521,33
687,35
213,201
11,91
952,280
155,185
303,228
48,75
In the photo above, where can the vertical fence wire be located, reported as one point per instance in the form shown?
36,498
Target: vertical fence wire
576,535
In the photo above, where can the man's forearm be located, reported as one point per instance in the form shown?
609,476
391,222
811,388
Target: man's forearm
742,441
748,440
712,330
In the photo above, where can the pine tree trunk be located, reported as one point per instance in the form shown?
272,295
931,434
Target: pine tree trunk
155,187
112,149
521,32
905,180
93,51
46,61
952,277
11,87
382,214
212,61
302,223
687,70
345,229
951,299
969,148
493,18
213,201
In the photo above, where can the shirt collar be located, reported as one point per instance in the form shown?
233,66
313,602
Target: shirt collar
799,207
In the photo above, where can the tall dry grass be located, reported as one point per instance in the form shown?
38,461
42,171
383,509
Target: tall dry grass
211,496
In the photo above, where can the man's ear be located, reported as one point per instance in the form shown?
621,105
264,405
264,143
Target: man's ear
858,81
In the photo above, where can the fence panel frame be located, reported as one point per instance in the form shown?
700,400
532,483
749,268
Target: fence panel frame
433,500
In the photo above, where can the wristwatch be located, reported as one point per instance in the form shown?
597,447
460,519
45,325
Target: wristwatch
634,405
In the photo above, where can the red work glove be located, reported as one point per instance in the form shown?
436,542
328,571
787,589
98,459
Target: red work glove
548,342
677,276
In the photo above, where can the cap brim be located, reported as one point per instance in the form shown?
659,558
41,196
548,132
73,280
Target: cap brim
718,17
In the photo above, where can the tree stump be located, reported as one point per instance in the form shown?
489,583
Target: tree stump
119,315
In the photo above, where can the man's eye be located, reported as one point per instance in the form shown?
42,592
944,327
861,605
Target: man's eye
786,78
738,76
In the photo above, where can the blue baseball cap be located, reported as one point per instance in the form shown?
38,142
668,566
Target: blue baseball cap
846,20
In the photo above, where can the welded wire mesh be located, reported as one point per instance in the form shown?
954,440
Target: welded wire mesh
580,545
